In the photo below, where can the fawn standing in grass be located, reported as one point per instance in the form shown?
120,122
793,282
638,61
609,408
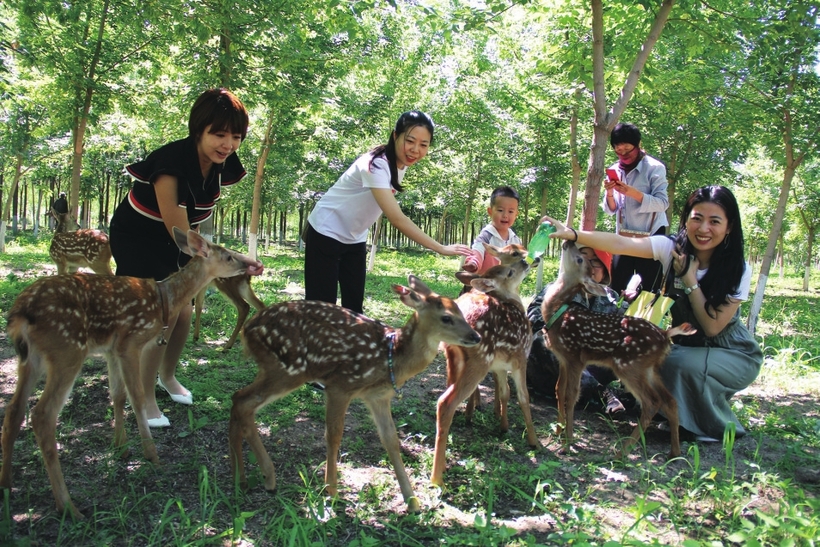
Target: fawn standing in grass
712,279
72,249
238,290
177,185
505,256
494,309
632,347
81,249
353,356
57,321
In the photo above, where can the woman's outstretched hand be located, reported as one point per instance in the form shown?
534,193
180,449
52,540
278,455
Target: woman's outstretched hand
457,249
561,231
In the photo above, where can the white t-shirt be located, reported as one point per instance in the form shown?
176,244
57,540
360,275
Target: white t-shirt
662,248
348,209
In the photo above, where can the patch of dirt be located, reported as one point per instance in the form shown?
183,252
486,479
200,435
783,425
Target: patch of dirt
100,483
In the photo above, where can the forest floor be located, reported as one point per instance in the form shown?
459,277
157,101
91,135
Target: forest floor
101,484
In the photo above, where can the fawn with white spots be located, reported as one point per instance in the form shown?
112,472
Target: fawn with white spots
506,256
57,321
633,348
353,356
494,309
238,290
72,249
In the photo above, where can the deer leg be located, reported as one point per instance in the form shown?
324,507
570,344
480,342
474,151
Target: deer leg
128,363
246,403
198,302
670,408
473,402
446,408
380,409
59,381
497,378
502,400
519,375
29,372
336,404
567,389
118,397
242,310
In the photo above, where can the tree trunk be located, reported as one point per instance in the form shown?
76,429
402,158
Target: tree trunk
809,259
81,118
768,256
18,171
257,185
604,121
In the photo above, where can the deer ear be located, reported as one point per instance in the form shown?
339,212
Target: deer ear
409,297
417,285
595,288
196,244
491,249
484,285
181,239
466,277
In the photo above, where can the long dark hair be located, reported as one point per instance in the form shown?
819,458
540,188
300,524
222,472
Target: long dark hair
727,264
405,123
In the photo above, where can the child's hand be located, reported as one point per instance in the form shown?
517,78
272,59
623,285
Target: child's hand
472,262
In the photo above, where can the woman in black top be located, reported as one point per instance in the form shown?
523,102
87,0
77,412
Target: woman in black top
176,185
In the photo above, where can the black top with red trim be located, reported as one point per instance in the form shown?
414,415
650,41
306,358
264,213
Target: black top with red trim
196,193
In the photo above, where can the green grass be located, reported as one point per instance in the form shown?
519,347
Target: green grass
744,498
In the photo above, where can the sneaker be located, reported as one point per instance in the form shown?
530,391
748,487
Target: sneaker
613,404
706,439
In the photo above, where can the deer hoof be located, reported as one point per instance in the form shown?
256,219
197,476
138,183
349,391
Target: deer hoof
413,505
72,510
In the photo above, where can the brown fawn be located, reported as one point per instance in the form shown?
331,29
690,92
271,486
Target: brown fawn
57,321
506,256
353,356
494,309
239,291
72,249
632,347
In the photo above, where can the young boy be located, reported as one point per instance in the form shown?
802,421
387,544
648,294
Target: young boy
503,210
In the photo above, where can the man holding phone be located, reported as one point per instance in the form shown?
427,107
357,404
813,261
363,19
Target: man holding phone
636,194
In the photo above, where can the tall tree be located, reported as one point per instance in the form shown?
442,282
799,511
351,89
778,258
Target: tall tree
781,41
87,48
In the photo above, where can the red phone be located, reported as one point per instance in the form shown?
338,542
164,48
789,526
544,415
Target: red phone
612,174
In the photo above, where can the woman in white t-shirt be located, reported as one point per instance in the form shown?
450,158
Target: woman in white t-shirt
712,279
335,253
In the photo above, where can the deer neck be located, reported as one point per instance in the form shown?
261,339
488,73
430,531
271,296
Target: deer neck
557,299
509,297
181,287
413,350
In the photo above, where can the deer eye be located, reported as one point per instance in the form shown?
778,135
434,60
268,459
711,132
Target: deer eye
447,320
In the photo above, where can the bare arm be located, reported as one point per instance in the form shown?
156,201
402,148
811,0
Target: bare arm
390,207
605,241
172,214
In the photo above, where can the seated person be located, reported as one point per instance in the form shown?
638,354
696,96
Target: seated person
542,365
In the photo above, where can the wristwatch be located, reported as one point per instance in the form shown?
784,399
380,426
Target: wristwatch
688,290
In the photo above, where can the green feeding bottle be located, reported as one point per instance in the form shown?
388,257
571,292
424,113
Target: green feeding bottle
539,242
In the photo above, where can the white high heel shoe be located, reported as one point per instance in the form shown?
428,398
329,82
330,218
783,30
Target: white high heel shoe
162,421
181,399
